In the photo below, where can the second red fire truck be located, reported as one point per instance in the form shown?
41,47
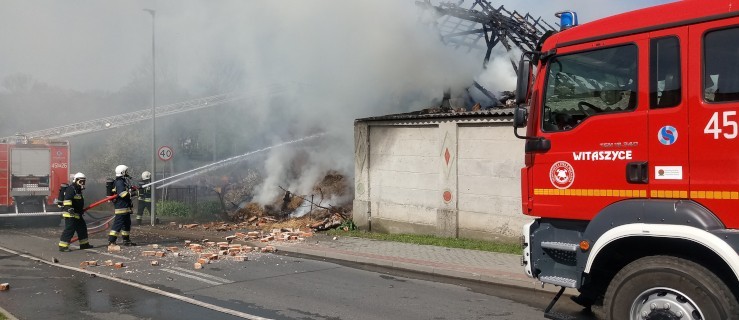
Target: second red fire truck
31,173
632,161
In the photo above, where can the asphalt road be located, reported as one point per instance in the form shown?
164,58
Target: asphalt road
273,286
42,291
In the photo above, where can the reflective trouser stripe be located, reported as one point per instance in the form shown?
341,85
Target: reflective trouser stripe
63,244
124,233
67,202
123,194
71,215
122,211
83,241
147,200
113,233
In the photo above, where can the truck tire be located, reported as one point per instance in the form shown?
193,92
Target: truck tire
664,287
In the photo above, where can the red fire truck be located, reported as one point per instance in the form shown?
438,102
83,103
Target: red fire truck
31,173
632,161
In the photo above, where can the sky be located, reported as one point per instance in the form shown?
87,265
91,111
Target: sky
350,59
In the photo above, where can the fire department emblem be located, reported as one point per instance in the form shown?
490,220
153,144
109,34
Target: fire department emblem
562,175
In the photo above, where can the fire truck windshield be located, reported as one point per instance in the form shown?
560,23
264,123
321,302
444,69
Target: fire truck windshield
584,84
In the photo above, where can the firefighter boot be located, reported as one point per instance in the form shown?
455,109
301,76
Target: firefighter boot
86,246
127,242
64,249
112,241
138,220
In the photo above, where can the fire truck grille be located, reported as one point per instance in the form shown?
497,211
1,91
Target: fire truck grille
31,189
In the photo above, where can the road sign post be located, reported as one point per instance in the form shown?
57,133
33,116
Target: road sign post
165,153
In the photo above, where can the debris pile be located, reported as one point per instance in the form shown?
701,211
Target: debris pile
329,206
107,263
336,220
211,251
266,223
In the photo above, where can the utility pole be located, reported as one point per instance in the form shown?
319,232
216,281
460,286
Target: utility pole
153,115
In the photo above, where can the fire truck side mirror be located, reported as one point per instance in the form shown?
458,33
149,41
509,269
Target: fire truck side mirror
520,117
523,77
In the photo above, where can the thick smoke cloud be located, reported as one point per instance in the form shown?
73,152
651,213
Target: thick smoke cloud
89,44
338,60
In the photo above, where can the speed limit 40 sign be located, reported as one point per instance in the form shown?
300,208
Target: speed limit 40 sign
165,153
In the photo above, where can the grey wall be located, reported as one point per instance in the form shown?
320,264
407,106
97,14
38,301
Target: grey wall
452,177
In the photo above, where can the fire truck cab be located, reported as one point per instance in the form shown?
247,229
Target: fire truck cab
632,161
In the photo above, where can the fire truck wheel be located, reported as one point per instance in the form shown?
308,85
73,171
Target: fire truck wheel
664,287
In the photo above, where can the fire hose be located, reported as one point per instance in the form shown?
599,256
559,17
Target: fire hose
101,227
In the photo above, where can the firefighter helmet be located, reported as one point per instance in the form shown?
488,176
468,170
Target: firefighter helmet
80,179
121,171
146,175
79,176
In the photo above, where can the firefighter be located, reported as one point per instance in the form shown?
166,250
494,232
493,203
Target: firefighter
123,207
144,196
73,205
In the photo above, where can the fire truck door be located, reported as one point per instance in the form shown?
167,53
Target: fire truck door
714,117
596,121
668,114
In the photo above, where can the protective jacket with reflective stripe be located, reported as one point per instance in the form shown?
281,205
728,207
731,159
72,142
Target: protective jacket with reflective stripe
123,203
73,199
144,193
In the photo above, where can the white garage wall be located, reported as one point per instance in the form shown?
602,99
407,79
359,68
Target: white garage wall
404,173
490,161
405,182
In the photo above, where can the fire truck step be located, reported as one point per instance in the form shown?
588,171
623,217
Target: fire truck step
563,246
559,281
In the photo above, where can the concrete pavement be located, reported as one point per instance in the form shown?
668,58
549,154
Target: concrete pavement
496,268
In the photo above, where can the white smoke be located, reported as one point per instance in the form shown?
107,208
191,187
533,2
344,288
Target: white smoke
343,60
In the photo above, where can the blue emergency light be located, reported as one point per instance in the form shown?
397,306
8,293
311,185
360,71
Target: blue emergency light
567,19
